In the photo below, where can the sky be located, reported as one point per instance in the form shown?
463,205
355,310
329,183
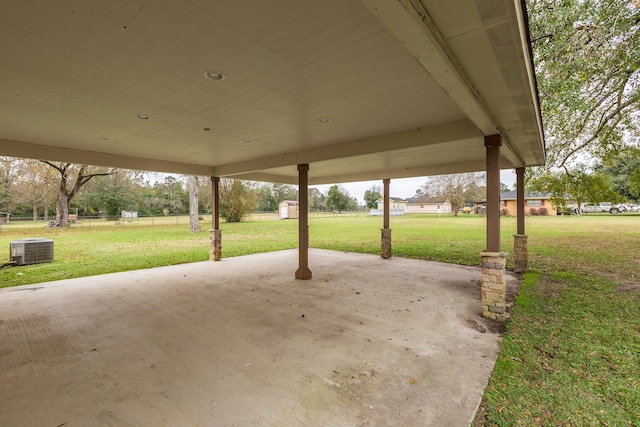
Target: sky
402,187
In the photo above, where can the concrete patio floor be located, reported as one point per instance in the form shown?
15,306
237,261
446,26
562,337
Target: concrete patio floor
242,343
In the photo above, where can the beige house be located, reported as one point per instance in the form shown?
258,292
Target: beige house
289,209
419,205
535,203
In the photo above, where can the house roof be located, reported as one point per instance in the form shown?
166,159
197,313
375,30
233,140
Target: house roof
392,199
511,195
358,89
425,201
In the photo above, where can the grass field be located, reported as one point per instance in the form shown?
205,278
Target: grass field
571,353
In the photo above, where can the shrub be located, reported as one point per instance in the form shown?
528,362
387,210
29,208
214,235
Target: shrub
543,212
533,211
504,211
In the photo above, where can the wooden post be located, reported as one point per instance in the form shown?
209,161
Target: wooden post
520,239
385,241
492,144
215,251
520,200
303,272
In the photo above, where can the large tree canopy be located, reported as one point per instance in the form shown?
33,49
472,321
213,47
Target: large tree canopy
339,199
456,189
372,195
587,56
71,178
237,199
624,172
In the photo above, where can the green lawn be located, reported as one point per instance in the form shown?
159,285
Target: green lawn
571,353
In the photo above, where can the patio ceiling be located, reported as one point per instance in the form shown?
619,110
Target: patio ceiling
359,89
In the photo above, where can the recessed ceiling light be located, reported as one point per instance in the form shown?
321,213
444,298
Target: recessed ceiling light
324,119
246,141
142,116
213,75
104,138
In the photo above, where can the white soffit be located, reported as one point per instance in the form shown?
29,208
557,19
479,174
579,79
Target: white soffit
408,87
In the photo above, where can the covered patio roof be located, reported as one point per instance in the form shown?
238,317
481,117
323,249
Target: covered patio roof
357,89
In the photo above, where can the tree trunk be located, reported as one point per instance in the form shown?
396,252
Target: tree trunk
64,209
35,211
194,220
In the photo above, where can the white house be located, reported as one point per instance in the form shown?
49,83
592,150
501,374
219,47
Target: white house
397,207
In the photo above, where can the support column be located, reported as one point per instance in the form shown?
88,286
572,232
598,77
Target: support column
494,286
303,272
385,251
520,239
215,252
492,144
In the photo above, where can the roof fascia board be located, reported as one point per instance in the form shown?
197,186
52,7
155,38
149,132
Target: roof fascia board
268,177
415,138
399,173
412,25
59,154
527,54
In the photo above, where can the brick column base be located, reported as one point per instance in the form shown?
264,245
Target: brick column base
494,285
520,254
215,251
386,243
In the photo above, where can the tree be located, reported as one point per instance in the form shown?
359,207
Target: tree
194,220
171,196
338,199
237,199
122,190
456,189
578,185
504,188
72,178
7,176
33,185
204,195
588,75
283,192
266,201
419,194
623,169
634,184
317,200
371,196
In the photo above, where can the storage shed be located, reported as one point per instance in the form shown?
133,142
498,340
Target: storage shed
288,209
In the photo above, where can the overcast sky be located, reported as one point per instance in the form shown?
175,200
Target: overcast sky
403,187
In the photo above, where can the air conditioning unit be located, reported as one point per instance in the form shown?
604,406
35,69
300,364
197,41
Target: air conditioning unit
31,251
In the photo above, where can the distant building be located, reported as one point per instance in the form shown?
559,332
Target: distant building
534,201
428,205
397,207
289,209
129,214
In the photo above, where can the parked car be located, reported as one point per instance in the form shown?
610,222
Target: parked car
602,207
